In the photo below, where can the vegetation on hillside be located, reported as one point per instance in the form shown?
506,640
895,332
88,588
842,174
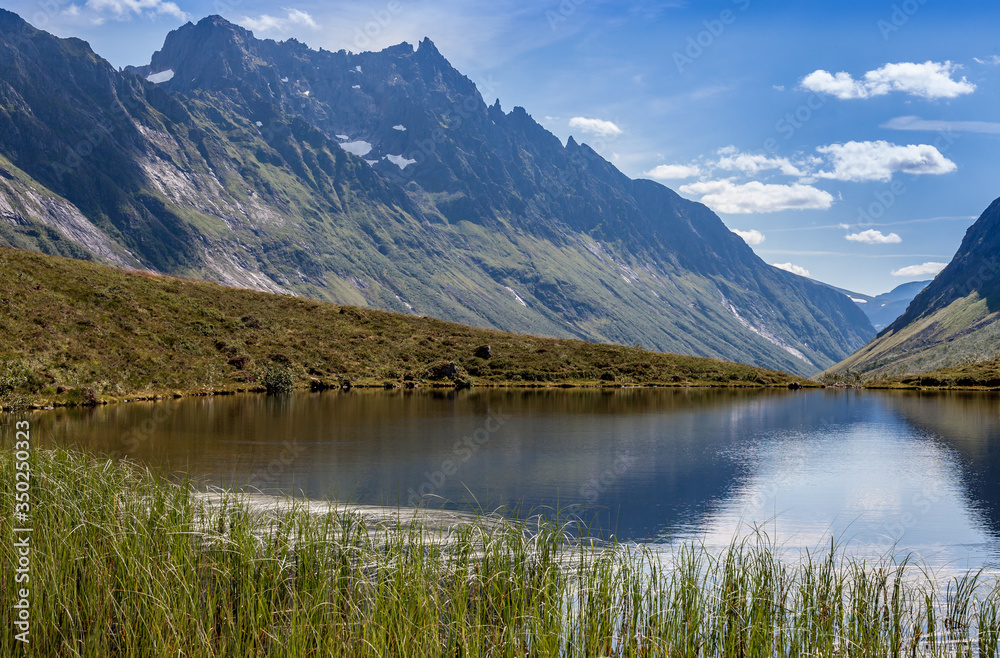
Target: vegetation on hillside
949,327
77,332
233,171
984,374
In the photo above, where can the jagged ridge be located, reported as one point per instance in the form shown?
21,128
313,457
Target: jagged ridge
237,169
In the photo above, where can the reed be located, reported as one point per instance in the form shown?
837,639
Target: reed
128,564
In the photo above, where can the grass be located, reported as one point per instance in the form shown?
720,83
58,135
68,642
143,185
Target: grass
982,374
958,342
73,332
126,564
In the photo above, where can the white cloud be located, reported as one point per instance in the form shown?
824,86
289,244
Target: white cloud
992,60
753,236
928,80
673,172
871,236
750,163
728,197
927,269
124,10
916,123
294,18
789,267
597,127
877,161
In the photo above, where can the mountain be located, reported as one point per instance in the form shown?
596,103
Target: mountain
954,321
381,180
883,309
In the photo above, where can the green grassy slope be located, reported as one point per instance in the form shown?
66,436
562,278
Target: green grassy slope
952,323
965,332
984,374
69,327
233,173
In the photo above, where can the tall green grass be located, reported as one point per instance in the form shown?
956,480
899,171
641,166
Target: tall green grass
126,564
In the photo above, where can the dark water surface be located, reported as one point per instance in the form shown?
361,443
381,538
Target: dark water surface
918,471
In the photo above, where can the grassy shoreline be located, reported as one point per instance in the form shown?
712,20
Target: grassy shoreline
978,376
77,333
127,564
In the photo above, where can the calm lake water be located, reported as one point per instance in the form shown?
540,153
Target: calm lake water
870,469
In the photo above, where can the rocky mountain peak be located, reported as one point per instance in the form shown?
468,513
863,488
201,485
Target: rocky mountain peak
384,179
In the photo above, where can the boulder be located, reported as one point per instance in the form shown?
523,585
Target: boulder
443,371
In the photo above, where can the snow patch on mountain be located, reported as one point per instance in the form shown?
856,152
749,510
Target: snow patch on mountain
400,161
765,334
162,76
516,296
359,147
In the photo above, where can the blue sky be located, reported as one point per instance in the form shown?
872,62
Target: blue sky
855,141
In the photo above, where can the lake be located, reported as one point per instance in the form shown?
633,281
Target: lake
872,470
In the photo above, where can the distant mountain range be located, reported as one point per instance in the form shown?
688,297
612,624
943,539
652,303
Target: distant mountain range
954,321
381,180
883,309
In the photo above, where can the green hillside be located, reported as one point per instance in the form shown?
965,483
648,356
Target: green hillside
380,180
952,324
73,331
984,374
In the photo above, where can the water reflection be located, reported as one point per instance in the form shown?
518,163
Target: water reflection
871,469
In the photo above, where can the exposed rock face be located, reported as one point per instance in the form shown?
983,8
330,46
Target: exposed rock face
383,180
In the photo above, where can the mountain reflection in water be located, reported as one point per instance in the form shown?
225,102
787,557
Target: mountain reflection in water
873,470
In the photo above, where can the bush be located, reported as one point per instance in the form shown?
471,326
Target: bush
277,380
15,381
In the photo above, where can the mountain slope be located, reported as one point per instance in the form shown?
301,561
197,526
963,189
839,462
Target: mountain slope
68,324
883,309
382,180
955,320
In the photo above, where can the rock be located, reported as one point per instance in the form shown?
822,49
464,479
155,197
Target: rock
316,384
484,352
443,371
794,386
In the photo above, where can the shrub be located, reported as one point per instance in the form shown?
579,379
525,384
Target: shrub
277,380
